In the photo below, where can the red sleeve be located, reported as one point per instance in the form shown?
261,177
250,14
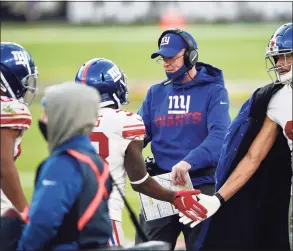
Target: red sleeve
16,120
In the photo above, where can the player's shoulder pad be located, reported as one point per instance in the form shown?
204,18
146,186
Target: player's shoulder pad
132,126
14,114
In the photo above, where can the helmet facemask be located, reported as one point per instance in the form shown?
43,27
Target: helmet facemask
30,83
275,72
24,90
123,92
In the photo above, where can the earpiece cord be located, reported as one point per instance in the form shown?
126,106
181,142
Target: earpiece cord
192,78
169,81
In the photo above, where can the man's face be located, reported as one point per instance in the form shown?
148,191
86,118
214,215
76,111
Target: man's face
284,62
175,63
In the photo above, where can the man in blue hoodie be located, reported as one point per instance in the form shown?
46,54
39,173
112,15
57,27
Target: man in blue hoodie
186,118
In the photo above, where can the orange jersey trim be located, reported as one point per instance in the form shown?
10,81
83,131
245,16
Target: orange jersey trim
116,232
130,126
15,121
132,133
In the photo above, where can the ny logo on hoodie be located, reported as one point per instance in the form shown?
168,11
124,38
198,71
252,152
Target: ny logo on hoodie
179,104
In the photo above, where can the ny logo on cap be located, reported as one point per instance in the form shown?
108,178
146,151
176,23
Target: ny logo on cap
165,40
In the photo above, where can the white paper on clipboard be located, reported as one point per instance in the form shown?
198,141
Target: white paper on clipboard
155,209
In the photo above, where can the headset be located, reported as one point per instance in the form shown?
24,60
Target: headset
191,54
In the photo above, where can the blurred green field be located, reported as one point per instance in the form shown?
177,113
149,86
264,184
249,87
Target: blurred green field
59,51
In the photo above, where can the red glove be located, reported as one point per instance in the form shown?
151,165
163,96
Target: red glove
189,206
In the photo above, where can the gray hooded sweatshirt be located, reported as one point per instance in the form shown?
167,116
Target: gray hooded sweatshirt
72,109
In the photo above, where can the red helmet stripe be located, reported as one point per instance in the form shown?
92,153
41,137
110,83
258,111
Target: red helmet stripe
85,70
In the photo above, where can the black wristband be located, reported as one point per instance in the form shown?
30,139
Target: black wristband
221,199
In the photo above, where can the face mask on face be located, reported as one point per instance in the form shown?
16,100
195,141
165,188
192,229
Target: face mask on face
179,75
43,129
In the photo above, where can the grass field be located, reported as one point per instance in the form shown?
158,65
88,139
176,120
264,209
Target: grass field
60,50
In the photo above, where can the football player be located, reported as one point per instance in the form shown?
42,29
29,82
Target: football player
18,87
263,173
118,138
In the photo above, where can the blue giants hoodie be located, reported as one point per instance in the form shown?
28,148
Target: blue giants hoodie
188,122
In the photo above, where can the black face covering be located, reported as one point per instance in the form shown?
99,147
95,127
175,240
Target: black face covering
43,129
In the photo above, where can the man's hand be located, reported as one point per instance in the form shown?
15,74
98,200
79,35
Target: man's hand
211,203
189,206
179,172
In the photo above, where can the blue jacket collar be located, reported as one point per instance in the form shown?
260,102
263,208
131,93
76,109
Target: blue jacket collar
206,74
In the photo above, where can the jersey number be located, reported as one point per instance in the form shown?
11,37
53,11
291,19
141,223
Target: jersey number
103,144
289,129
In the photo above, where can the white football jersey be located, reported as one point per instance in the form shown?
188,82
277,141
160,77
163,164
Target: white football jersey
114,130
280,111
14,115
